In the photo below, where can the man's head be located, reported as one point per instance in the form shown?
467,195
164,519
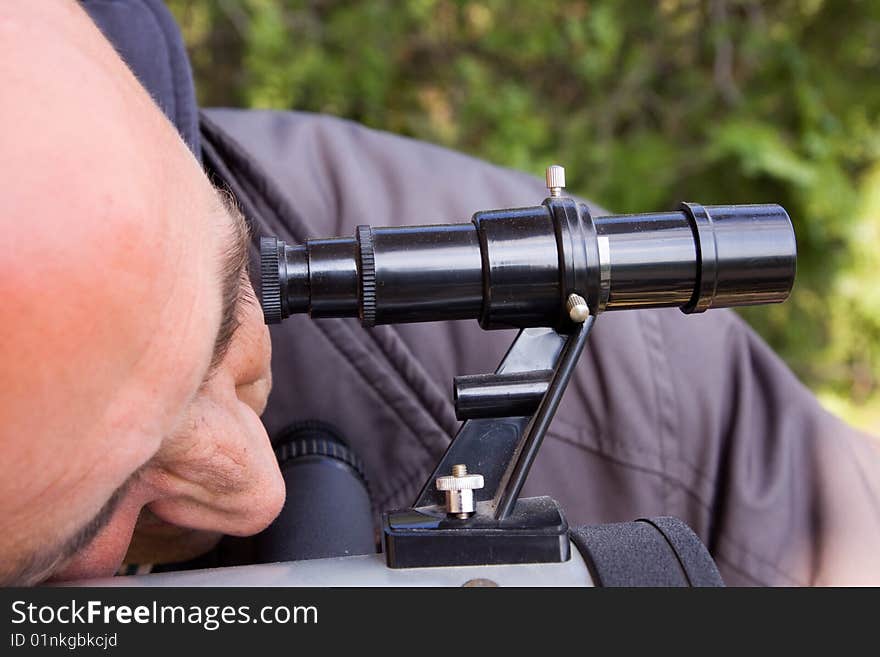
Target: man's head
133,359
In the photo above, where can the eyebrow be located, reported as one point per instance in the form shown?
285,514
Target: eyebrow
233,273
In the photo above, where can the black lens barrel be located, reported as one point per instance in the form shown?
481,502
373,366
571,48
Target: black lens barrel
516,267
420,273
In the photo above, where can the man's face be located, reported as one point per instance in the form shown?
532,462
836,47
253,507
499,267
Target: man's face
133,359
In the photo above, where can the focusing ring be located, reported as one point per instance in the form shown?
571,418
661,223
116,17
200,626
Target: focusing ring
270,279
316,438
367,260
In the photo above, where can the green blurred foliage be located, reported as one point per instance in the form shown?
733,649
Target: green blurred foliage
645,103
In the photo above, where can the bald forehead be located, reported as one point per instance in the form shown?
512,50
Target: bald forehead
102,291
95,181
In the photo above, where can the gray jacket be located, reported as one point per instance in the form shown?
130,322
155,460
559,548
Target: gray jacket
689,416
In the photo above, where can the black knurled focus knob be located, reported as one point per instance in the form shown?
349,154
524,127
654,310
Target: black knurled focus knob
270,279
316,438
368,275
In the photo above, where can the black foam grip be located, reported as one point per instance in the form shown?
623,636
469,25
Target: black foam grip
698,564
648,552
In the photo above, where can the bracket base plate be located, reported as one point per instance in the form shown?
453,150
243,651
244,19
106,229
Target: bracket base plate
536,532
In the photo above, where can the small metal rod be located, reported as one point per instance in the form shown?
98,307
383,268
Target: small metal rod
512,483
499,395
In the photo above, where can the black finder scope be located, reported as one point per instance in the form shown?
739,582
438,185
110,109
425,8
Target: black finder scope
525,267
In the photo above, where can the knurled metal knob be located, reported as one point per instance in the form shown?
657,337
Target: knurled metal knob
459,488
577,308
555,179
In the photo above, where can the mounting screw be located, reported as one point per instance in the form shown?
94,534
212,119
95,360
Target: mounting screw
459,490
555,179
577,308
